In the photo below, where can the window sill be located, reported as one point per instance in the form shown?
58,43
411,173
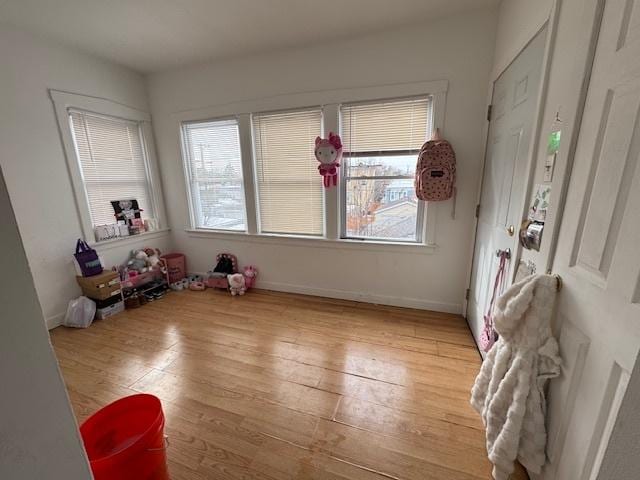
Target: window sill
131,239
315,242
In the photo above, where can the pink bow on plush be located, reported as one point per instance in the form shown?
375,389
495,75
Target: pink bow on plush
335,140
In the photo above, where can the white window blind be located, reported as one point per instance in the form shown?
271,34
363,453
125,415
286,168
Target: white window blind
381,143
386,126
113,164
290,196
214,167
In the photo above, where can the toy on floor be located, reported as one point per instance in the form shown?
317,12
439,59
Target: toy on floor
197,285
236,284
250,273
227,264
180,285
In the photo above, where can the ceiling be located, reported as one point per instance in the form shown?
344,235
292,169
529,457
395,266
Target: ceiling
155,35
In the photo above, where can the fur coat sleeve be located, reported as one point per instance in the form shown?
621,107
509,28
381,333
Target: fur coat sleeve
509,390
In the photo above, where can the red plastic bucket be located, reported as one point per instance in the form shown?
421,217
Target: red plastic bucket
125,440
176,266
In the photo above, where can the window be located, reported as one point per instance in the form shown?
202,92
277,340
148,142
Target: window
251,168
381,142
289,189
213,163
113,163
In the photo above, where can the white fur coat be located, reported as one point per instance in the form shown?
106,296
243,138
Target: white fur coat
508,391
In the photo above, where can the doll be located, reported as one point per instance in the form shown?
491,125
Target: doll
328,152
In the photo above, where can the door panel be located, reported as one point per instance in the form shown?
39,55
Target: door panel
598,257
574,345
515,96
513,148
616,153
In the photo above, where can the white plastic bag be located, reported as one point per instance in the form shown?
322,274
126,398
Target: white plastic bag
80,313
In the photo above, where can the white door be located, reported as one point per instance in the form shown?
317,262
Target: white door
598,256
515,97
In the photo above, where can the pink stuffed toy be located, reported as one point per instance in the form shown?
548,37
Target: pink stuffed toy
328,152
250,273
236,284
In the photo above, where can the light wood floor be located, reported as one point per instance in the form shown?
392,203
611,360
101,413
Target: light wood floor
280,386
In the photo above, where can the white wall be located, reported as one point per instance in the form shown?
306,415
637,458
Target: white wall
38,432
33,161
518,22
458,49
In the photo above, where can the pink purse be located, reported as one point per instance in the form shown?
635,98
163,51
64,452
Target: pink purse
489,336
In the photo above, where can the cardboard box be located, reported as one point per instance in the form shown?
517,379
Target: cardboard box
100,287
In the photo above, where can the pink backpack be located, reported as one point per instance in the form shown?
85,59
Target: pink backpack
436,171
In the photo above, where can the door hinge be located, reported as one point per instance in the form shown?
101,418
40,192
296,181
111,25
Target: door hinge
478,211
467,293
489,110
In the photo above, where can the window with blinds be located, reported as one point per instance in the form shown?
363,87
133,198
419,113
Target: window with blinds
381,142
289,189
213,163
113,163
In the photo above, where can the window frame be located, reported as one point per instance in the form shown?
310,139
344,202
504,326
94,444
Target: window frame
145,160
342,184
420,214
330,102
187,172
64,103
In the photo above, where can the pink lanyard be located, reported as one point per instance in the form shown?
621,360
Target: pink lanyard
497,284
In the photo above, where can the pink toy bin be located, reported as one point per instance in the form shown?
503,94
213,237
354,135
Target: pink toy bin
221,281
176,266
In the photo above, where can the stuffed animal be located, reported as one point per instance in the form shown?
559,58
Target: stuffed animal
236,284
328,152
250,273
197,286
138,261
153,257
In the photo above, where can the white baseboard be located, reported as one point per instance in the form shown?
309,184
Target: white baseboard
54,321
407,302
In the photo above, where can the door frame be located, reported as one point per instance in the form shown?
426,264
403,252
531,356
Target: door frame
551,23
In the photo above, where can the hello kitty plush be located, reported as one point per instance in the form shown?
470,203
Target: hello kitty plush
236,284
328,152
